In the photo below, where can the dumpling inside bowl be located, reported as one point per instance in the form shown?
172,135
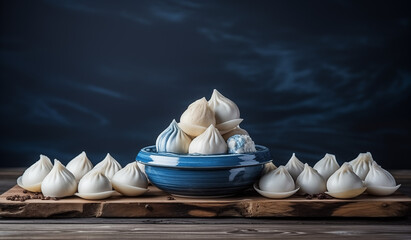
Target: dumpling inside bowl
226,112
209,142
197,118
236,131
173,140
240,144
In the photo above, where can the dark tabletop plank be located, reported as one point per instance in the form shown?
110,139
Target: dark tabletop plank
204,228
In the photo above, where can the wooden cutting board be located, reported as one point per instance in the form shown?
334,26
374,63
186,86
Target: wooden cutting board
157,203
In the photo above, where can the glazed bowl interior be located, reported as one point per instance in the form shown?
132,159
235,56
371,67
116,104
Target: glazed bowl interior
197,175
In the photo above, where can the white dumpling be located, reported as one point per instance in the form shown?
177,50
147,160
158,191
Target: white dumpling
142,167
173,140
344,179
327,166
277,181
197,118
377,176
95,182
130,175
79,166
310,181
227,114
268,167
94,185
109,166
60,182
34,175
294,166
380,182
209,142
130,181
235,131
361,165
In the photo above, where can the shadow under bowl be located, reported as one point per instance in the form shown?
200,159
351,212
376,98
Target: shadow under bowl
202,176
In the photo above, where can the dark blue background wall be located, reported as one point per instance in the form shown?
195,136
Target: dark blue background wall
108,76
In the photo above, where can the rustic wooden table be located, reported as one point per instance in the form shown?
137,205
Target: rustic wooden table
204,228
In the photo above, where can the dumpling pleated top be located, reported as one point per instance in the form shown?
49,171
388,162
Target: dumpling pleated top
173,140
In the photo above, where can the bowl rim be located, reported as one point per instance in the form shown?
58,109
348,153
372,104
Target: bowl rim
149,156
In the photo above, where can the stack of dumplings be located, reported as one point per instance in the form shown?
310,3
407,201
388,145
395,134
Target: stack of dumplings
204,128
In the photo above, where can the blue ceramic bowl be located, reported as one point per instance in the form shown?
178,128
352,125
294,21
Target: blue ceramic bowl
196,175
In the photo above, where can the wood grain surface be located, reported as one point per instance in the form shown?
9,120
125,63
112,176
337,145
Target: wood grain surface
205,228
204,231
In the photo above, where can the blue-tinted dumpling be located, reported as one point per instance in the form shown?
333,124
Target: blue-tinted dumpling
173,140
240,144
